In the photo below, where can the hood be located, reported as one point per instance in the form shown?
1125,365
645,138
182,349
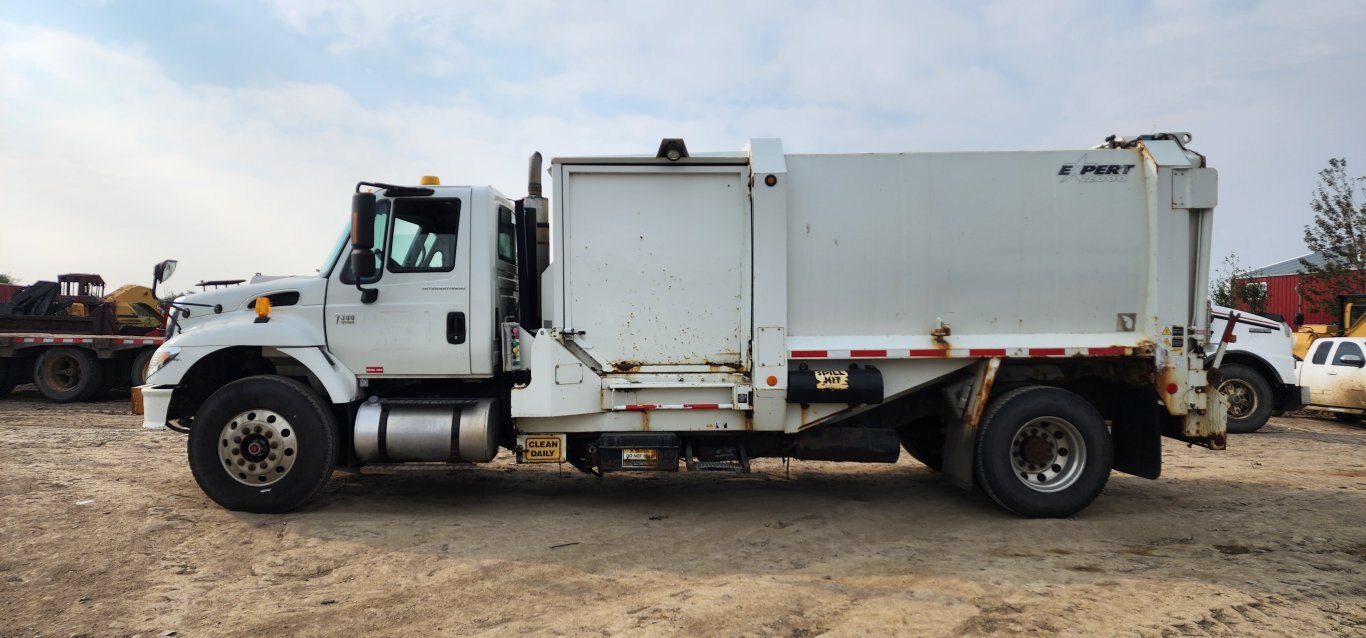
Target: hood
311,292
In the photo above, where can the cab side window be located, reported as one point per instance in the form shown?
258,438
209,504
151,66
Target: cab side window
1321,353
1345,348
507,236
424,235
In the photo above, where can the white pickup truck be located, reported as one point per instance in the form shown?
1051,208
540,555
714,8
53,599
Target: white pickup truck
1258,369
1334,376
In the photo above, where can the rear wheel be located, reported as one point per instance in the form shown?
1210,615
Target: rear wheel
1043,452
263,444
64,375
1249,398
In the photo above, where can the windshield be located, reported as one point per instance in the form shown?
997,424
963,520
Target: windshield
331,260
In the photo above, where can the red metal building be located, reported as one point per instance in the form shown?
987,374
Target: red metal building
7,292
1282,281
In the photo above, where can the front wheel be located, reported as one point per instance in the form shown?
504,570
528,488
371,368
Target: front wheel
138,373
1043,452
1249,398
263,444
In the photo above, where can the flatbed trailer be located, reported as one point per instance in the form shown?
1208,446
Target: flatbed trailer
73,367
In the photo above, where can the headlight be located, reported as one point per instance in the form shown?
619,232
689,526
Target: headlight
161,357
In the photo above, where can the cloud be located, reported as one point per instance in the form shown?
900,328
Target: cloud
113,163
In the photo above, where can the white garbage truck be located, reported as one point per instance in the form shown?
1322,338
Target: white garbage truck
1023,322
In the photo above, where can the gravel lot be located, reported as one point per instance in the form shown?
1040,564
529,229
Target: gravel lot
104,532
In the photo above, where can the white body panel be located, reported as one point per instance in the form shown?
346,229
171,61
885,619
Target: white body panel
989,243
656,261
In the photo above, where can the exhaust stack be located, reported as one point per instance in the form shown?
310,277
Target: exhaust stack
537,202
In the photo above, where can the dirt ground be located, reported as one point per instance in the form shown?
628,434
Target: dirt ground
104,532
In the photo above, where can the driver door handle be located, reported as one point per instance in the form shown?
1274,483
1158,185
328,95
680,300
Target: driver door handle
455,327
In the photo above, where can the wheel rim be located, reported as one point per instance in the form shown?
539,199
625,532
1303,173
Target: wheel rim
1048,454
258,447
63,373
1242,400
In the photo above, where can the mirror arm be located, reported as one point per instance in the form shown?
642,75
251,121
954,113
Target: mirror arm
367,295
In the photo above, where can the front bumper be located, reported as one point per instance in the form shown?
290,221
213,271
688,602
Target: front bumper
156,402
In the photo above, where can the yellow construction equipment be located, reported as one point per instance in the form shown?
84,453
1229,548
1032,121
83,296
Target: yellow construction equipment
1351,323
135,305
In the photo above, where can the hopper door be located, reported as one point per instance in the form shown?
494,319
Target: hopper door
657,265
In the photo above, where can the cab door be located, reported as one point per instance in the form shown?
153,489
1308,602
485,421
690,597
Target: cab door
1344,387
1314,373
419,325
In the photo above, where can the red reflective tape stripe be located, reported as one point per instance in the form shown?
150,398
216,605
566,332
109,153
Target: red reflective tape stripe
637,407
1115,351
929,353
702,406
867,353
810,354
1047,352
987,352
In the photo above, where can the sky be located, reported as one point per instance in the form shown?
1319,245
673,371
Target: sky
229,134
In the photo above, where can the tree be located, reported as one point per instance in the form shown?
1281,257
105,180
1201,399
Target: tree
169,295
1226,289
6,278
1338,235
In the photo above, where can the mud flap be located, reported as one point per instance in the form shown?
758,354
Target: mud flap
1136,430
960,435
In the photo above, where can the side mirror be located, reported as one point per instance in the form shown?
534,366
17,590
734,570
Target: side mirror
164,270
363,221
161,272
362,264
1352,360
363,243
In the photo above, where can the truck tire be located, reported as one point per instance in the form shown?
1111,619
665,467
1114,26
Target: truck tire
9,377
1042,452
65,375
925,444
138,373
263,444
1249,398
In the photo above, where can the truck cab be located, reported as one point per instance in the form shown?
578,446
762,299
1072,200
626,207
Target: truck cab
431,318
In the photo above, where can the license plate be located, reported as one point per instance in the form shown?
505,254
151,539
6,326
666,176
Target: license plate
543,449
639,457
